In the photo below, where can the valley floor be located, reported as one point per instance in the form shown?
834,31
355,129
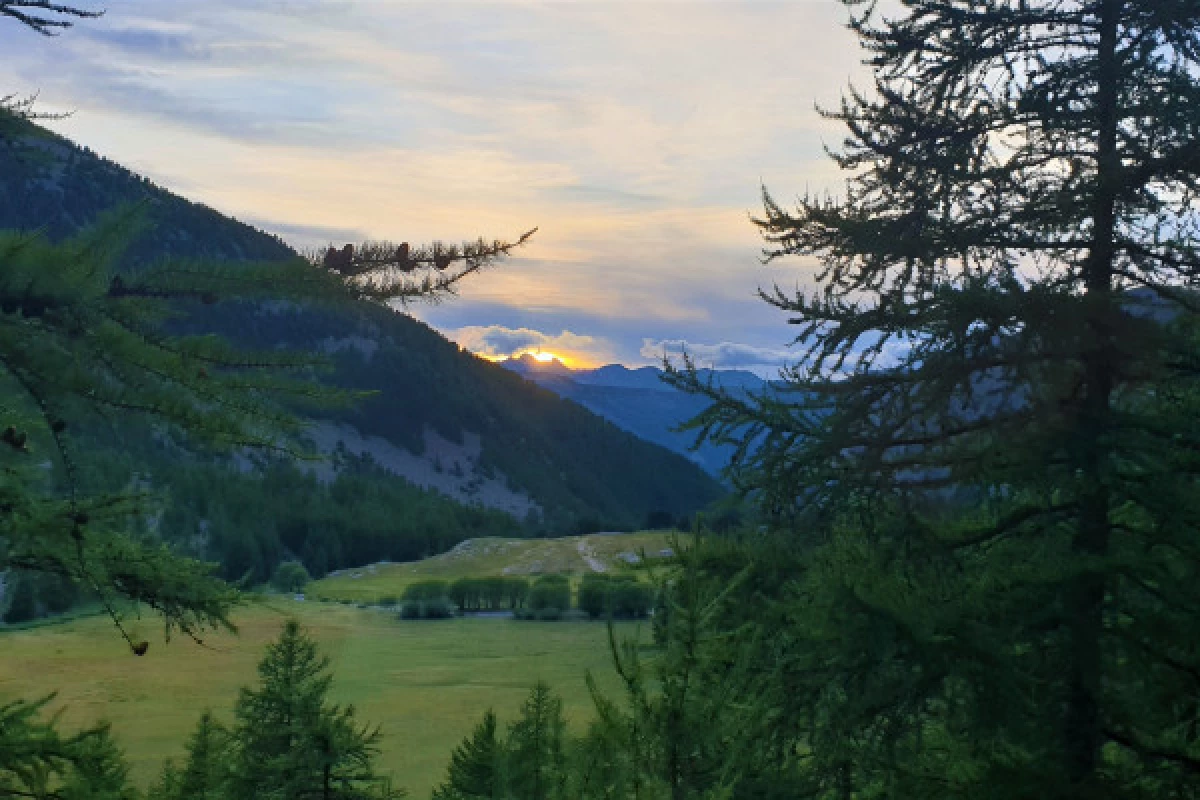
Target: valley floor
425,682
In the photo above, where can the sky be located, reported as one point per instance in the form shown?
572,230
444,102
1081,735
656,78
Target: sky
635,135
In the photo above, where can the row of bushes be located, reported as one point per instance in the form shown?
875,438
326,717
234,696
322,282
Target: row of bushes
621,596
489,594
548,597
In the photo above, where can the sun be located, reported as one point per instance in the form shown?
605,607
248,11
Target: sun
547,357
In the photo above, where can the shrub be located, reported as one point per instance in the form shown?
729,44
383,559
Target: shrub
464,593
631,599
594,595
438,608
618,595
389,600
290,576
435,608
424,591
550,591
548,614
492,591
516,592
490,594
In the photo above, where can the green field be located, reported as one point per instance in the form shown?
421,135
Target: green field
425,682
573,555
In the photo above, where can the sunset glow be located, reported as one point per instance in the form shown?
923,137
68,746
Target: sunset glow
636,153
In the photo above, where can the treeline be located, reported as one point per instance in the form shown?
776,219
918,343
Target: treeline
585,473
249,523
547,597
252,519
287,741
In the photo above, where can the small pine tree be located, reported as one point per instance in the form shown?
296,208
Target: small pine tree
98,771
206,772
289,743
534,753
473,773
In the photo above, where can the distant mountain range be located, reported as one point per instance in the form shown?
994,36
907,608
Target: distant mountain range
443,418
637,400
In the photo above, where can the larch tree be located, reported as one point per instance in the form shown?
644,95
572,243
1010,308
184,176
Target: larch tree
474,769
206,769
290,743
534,753
988,438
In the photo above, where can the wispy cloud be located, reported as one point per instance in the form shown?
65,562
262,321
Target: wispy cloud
635,134
721,355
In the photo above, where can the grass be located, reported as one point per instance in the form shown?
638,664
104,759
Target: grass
426,683
495,556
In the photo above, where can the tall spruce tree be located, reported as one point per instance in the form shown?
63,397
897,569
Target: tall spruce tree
290,743
988,438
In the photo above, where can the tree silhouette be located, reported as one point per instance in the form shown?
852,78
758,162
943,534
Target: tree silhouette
987,435
45,17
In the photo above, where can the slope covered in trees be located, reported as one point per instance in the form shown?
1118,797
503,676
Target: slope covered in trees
578,471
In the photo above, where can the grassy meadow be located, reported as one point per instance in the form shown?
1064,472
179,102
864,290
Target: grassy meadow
425,682
475,558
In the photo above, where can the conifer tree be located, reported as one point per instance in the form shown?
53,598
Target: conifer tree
535,754
678,725
98,772
36,761
290,743
206,771
988,434
473,773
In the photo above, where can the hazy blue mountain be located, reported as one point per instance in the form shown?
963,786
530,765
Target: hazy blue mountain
637,400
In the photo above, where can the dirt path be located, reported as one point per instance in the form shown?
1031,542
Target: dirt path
589,556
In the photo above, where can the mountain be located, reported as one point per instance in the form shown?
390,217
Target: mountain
638,401
442,418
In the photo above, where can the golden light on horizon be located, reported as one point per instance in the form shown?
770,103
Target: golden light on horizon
542,357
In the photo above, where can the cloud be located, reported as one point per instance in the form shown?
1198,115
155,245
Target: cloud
498,342
634,135
723,355
304,237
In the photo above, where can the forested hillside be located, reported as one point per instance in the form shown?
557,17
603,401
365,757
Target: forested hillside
547,462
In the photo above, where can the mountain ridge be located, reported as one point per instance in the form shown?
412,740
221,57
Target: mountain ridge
637,400
579,471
